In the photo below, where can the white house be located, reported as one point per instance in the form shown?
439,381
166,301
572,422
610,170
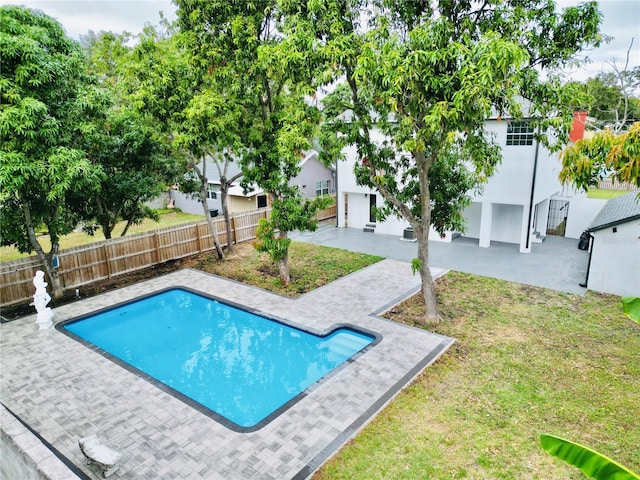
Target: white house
614,261
513,207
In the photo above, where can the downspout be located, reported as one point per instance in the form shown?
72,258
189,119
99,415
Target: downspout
533,187
586,279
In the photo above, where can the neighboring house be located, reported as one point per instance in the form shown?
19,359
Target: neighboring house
239,202
513,206
314,179
614,261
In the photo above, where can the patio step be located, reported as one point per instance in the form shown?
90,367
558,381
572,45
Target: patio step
537,237
369,227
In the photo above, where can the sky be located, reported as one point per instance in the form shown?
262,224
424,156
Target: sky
621,21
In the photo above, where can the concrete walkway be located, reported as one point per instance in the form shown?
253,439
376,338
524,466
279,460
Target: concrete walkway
557,263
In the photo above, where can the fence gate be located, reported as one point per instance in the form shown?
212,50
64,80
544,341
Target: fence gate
558,212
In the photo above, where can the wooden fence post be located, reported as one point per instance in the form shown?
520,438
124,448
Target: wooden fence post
232,234
156,241
106,260
198,239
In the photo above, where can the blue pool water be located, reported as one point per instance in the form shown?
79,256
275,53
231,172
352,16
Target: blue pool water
240,365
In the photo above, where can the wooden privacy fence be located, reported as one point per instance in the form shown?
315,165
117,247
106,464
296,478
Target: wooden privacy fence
86,264
608,184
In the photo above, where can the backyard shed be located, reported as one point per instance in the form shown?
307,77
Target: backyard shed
614,263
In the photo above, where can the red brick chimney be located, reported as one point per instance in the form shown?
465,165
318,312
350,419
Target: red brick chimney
577,128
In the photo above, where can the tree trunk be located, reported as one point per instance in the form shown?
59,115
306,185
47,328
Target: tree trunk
55,281
283,264
426,280
285,277
428,289
224,188
205,207
212,227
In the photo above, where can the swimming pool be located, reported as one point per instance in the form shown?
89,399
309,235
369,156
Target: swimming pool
238,366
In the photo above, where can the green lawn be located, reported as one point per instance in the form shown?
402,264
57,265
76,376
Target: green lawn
605,194
75,239
526,361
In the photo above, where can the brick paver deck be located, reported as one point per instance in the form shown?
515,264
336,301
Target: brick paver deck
65,391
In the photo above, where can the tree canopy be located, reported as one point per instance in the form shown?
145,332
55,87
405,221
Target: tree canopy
427,75
251,52
605,155
120,140
41,169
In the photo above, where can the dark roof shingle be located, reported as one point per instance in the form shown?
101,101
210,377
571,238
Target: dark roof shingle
618,210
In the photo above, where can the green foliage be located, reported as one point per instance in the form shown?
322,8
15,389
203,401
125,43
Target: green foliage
593,464
416,265
612,100
268,242
631,307
41,169
604,155
427,76
262,68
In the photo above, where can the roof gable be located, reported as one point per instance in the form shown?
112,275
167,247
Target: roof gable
618,210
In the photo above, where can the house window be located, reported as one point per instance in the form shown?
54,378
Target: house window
262,201
322,188
211,191
519,133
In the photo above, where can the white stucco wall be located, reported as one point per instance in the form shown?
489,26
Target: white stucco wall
508,193
615,260
473,215
582,211
507,222
511,182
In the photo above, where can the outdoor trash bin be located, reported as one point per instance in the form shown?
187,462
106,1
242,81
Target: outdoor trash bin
583,244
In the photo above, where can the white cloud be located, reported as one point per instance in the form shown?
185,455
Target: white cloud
621,21
80,16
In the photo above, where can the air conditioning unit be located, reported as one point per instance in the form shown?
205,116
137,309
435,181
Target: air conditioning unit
409,234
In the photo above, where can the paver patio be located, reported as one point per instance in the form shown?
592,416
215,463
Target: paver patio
64,391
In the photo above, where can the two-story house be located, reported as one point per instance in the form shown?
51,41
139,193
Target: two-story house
513,206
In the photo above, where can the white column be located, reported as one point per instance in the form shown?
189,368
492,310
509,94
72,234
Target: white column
486,219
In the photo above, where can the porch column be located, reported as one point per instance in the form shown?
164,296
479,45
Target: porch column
486,219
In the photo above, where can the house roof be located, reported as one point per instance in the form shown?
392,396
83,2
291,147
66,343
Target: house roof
622,209
238,191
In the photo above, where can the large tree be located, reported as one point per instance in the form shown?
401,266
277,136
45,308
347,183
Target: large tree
250,49
197,116
615,101
120,140
41,173
428,75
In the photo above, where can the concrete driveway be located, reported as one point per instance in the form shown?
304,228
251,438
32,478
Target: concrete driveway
557,263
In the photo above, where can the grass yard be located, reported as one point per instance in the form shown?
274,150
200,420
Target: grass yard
605,194
311,266
526,361
75,239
